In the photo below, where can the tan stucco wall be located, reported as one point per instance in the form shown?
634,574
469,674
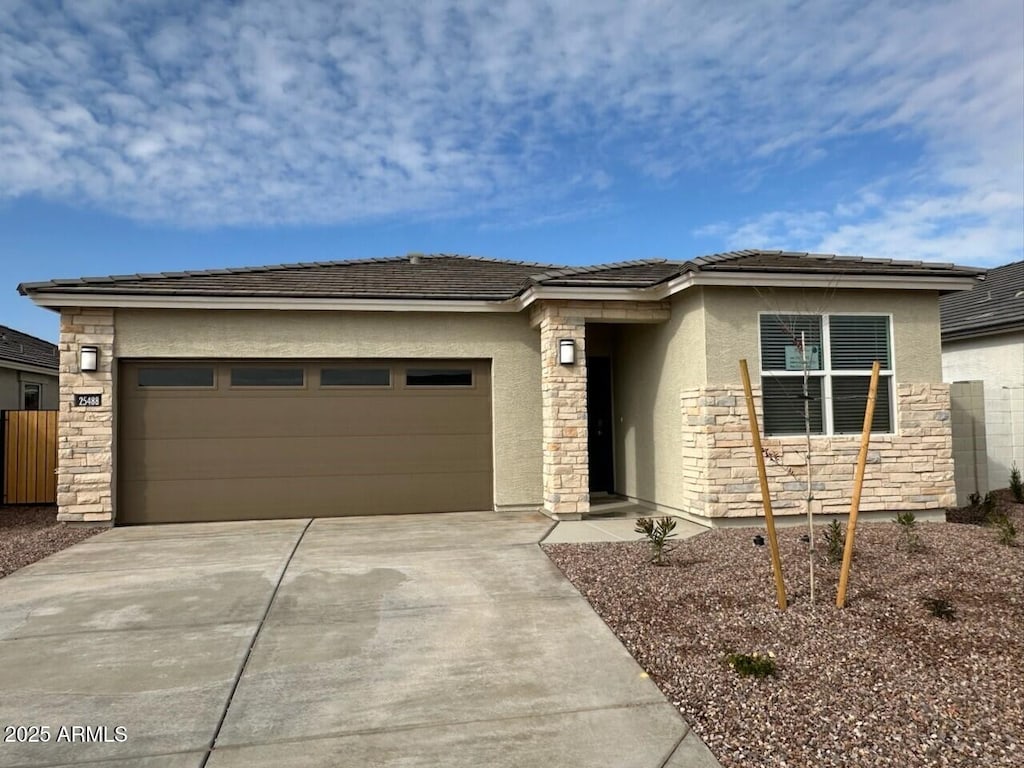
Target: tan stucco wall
507,339
10,389
652,365
732,326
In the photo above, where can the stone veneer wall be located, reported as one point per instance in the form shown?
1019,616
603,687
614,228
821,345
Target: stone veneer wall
911,470
85,460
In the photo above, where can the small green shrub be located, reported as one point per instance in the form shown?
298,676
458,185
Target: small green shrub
974,499
752,664
909,539
1006,531
1016,486
658,532
988,505
835,541
940,608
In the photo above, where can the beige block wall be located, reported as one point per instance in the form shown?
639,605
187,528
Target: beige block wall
998,361
732,329
507,339
970,454
912,470
652,365
86,440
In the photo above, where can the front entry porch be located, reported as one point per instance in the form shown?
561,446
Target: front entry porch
577,397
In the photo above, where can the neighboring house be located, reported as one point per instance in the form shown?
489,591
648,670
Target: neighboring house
433,383
28,372
983,340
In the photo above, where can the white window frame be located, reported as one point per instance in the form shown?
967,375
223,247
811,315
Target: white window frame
826,372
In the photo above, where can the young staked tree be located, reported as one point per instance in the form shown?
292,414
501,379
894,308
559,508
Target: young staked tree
800,341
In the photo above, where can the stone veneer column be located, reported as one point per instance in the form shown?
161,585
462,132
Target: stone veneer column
566,465
85,461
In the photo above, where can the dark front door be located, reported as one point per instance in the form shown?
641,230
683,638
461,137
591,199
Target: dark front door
599,424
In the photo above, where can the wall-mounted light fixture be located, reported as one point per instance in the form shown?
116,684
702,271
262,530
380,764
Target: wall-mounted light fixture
567,352
89,359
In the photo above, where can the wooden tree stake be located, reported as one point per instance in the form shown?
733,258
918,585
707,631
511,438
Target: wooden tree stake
858,484
766,499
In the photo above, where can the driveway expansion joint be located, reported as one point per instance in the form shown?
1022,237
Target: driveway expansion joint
678,744
252,644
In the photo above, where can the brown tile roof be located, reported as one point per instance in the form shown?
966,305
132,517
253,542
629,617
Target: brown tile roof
993,306
431,277
22,349
815,263
623,274
443,276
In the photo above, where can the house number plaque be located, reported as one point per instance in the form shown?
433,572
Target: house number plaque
87,401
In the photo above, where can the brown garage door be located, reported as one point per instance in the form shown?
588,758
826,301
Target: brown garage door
241,440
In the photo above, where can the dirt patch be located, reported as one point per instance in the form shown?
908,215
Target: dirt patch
28,534
884,682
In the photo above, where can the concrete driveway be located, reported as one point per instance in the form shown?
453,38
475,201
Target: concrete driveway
428,640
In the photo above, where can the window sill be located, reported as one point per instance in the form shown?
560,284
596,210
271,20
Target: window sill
885,437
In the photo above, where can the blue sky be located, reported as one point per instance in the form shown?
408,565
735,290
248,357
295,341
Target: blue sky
160,136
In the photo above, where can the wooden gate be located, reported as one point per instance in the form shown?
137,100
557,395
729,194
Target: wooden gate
30,457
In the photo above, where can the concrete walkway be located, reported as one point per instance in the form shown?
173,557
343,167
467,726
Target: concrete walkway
430,640
611,529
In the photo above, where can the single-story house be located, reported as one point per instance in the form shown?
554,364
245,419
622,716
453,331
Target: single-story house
28,372
434,382
983,341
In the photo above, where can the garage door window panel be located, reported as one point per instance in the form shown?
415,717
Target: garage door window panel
197,377
439,377
243,377
376,378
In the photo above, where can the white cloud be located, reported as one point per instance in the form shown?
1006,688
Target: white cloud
262,112
975,226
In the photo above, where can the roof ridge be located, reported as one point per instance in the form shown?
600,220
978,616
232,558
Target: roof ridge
489,259
583,269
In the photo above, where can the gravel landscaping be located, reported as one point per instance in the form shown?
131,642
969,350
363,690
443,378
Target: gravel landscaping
884,682
28,534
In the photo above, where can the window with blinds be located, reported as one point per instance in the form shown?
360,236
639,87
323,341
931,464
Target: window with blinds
781,336
837,353
784,405
849,399
856,341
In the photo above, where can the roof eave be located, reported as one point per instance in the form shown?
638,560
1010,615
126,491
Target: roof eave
18,365
514,303
57,300
964,334
889,282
